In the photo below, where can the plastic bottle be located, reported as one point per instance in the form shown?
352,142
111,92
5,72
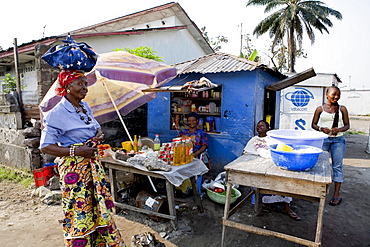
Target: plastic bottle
176,154
157,143
189,155
200,124
139,144
193,108
180,151
183,152
135,144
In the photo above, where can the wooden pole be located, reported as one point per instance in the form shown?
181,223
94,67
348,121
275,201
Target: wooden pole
19,91
16,66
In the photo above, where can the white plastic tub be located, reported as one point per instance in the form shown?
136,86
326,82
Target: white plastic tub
301,137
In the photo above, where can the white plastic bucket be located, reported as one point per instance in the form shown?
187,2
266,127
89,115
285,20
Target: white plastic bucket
302,137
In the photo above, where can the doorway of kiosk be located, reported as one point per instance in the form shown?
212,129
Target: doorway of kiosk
269,107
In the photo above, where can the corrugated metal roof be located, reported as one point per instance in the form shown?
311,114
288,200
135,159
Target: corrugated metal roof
216,63
221,62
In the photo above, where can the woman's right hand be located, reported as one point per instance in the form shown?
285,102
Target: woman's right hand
85,151
325,130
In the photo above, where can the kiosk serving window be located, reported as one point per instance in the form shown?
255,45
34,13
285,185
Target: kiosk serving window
206,103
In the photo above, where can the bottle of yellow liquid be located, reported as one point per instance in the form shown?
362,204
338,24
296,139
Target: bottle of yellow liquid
136,147
189,150
176,153
157,143
183,151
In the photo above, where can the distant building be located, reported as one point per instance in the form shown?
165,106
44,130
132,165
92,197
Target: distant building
356,101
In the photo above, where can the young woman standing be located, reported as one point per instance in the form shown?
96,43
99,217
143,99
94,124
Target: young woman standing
332,119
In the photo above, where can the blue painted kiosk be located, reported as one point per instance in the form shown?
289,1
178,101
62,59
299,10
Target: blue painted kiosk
241,101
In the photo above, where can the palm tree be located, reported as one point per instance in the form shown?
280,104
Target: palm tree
290,22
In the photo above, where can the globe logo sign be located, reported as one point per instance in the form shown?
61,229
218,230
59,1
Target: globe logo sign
300,97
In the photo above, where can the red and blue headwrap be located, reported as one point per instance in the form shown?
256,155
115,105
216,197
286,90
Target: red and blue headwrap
66,77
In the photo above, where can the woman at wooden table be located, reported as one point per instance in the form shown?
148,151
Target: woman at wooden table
71,132
200,145
199,137
258,145
332,119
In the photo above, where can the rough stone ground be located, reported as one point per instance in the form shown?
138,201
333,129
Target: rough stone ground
26,221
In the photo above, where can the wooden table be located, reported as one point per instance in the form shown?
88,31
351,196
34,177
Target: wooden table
263,175
114,165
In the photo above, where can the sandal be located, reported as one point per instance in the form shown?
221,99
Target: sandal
335,201
294,216
291,214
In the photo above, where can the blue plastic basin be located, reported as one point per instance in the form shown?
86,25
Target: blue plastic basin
295,160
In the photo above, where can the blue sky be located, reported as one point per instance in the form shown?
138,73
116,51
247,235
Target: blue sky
343,51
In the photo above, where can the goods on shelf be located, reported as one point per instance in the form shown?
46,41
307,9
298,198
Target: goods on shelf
206,103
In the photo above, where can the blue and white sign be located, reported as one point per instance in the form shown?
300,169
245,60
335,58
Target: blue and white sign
300,97
298,106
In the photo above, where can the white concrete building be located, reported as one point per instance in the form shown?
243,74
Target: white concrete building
166,28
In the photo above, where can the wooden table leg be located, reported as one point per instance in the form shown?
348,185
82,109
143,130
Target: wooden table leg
226,212
320,215
113,184
196,195
257,200
171,202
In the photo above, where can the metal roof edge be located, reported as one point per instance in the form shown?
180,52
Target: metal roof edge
25,47
292,80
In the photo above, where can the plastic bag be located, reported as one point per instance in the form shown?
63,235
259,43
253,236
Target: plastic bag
71,56
219,182
155,164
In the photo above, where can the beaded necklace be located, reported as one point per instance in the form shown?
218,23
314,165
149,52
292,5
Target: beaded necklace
82,117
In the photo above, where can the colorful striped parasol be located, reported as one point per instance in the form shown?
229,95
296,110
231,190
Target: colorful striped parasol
120,79
116,84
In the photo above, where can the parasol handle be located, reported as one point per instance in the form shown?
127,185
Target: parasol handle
118,113
124,125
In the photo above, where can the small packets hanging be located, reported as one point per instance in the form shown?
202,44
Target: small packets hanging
71,56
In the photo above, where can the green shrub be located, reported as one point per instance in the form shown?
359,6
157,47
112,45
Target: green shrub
9,83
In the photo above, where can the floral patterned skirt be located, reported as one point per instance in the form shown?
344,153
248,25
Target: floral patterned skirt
86,203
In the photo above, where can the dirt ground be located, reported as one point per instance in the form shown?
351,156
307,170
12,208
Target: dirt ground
26,221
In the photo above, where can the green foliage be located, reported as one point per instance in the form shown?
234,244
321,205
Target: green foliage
248,50
142,51
8,174
10,83
292,20
351,132
214,42
253,56
278,55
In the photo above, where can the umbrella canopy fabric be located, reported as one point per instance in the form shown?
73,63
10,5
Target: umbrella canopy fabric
124,76
116,82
